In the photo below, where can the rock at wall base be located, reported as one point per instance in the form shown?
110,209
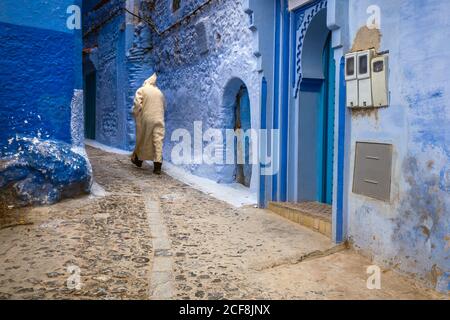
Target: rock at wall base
41,172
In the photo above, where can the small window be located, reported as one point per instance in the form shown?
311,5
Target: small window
350,66
176,4
378,66
363,64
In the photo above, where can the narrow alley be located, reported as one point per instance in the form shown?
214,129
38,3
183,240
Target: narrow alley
142,236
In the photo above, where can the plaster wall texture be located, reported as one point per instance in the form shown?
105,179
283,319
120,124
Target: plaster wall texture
39,70
199,72
118,44
40,74
165,17
104,33
412,231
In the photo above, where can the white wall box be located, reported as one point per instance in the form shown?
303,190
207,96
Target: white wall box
351,79
364,67
380,91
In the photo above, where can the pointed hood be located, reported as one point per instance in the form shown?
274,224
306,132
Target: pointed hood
151,81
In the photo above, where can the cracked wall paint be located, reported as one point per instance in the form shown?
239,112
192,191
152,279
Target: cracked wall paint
367,39
409,233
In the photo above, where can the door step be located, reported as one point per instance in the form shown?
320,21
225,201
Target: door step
313,215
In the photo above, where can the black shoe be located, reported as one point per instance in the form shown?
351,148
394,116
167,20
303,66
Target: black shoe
157,168
136,161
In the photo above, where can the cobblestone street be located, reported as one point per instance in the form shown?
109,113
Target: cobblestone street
153,237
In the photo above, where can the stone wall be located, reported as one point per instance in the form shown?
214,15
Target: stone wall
196,54
196,58
103,36
412,231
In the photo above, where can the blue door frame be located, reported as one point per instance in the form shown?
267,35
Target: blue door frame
281,94
285,101
244,171
276,91
339,222
284,37
326,127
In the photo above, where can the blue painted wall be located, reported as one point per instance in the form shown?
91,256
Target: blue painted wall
41,110
165,17
103,35
412,231
39,70
194,70
264,21
35,101
201,74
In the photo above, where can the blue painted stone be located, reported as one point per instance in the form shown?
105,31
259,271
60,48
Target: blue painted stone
42,172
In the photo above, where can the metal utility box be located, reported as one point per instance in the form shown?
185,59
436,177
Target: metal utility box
380,81
373,167
364,78
352,80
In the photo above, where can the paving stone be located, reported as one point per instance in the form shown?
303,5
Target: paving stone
211,250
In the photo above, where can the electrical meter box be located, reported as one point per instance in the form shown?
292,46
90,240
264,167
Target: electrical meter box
364,81
352,80
380,92
366,76
373,170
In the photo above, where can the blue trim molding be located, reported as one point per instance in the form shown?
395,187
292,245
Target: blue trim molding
275,124
285,101
339,227
262,178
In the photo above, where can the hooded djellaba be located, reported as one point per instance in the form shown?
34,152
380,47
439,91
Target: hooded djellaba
148,111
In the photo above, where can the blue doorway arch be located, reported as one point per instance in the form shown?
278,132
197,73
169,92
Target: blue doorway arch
236,101
242,121
305,80
315,104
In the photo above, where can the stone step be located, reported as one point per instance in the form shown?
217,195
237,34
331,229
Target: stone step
313,215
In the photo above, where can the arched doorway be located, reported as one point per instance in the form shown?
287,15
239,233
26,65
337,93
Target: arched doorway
316,114
242,122
237,103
